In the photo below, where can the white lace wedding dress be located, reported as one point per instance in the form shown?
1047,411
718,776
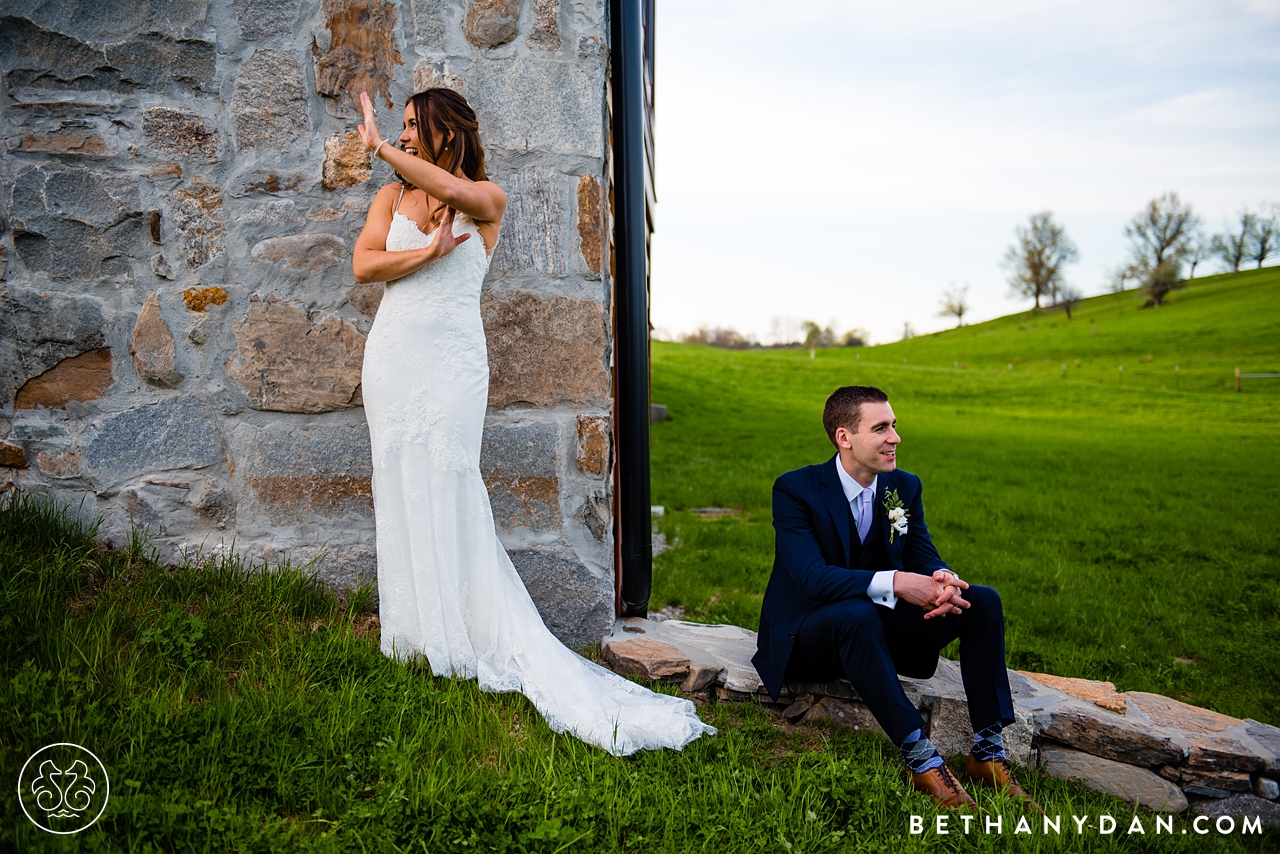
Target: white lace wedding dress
447,588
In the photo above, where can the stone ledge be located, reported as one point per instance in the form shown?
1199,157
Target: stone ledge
1143,748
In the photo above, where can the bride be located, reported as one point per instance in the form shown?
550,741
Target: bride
446,587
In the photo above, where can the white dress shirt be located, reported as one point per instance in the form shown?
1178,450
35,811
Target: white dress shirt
880,590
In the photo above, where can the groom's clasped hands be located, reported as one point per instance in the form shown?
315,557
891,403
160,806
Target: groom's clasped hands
940,592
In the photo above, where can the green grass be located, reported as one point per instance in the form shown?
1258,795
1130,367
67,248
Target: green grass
252,711
1129,519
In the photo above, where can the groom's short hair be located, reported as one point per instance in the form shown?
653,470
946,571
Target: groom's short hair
844,407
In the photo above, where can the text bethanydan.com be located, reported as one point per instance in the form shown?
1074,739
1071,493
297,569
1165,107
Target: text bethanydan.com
1103,825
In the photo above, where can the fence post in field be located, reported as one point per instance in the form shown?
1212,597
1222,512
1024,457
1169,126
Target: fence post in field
1237,379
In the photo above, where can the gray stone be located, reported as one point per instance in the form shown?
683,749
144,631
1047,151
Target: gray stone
313,471
311,252
1128,782
530,242
436,75
178,432
527,104
270,103
575,603
40,330
590,47
1205,791
1268,737
1088,727
518,464
545,32
430,25
491,23
194,210
1265,787
179,132
1239,808
160,62
264,19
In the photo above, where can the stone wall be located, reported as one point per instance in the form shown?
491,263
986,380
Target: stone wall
180,332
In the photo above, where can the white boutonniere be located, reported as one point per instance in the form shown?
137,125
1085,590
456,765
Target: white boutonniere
897,514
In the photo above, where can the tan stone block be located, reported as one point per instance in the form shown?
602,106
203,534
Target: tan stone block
12,456
1132,784
1224,781
525,502
490,23
271,182
198,299
83,377
311,252
200,230
179,132
1221,752
545,32
62,466
1101,694
545,352
1114,736
646,658
288,364
293,498
590,222
362,53
1165,712
436,75
593,444
152,346
346,161
365,297
67,143
168,169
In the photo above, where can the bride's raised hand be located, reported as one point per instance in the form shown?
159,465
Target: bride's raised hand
445,240
369,127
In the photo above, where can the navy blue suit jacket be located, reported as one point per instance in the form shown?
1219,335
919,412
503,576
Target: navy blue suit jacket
814,557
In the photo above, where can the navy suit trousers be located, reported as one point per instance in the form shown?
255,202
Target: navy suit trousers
870,645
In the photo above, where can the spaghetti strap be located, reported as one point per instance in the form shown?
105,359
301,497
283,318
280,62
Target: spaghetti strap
401,196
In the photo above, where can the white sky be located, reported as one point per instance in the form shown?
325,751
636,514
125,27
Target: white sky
848,161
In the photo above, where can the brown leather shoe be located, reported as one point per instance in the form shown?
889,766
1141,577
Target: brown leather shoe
998,774
941,785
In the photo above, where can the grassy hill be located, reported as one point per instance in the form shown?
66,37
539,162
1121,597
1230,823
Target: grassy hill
1127,517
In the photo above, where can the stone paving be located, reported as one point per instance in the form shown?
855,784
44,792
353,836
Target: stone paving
1147,749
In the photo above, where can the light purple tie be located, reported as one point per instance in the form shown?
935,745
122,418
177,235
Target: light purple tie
862,512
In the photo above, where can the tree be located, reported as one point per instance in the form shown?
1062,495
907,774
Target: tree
728,339
1199,249
1067,297
816,337
1160,281
955,303
1161,232
1234,248
855,338
1036,260
1265,237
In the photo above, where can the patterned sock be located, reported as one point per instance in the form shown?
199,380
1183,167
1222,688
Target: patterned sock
988,744
919,753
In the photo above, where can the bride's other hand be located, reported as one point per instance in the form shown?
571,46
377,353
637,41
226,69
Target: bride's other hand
445,240
369,127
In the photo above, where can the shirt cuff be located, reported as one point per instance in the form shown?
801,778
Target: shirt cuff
880,590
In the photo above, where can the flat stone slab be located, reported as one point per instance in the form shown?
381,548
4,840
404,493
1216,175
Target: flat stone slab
1128,782
1101,694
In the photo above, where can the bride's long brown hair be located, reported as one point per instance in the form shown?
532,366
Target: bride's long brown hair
445,110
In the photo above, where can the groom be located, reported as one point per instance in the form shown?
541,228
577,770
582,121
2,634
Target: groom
858,591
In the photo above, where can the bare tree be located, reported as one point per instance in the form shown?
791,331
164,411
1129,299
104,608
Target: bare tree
1159,281
728,339
1233,248
1067,297
955,303
1266,235
1160,233
1036,260
1200,249
907,331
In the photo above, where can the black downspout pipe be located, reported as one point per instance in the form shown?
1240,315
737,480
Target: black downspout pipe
631,309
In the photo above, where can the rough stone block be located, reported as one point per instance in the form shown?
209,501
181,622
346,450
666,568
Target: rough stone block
490,23
536,104
361,55
1222,752
1110,735
1267,737
436,75
1238,808
596,514
311,252
545,32
1225,781
1162,711
518,464
430,26
593,444
152,346
529,243
91,144
179,132
12,456
1130,783
545,352
591,222
295,474
1102,694
1265,787
178,432
575,603
61,466
264,19
847,713
194,209
270,103
525,502
288,364
346,161
646,658
366,297
77,378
